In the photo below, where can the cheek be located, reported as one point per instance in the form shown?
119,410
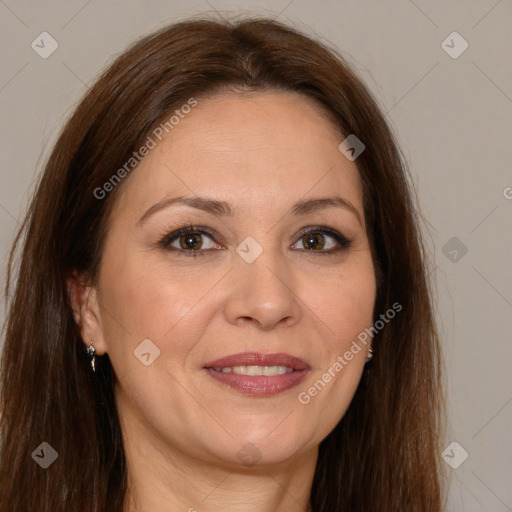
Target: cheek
151,298
347,309
347,306
157,302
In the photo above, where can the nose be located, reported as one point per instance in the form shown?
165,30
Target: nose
263,293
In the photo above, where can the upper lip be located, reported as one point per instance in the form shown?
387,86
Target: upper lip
258,359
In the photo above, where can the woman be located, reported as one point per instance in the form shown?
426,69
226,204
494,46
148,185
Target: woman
222,299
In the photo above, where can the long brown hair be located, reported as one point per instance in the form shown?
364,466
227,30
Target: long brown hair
384,453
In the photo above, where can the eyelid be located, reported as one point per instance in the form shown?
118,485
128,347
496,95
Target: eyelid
203,230
165,241
342,240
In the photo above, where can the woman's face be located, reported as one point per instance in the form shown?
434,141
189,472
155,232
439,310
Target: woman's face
261,277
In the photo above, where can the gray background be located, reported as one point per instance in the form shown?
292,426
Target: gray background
452,117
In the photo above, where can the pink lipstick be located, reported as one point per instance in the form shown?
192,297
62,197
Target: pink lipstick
257,374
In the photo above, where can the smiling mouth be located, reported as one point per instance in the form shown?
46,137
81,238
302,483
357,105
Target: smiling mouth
256,374
268,371
254,361
260,384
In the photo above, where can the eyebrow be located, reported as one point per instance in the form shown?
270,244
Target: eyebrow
223,208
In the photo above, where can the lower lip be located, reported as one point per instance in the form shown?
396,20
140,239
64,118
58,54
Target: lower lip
259,385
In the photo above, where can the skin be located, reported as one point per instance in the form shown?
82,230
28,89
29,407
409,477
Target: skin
261,152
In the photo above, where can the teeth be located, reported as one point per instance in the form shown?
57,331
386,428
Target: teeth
256,370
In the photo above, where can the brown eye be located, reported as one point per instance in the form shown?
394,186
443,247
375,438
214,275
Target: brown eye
313,241
322,240
191,241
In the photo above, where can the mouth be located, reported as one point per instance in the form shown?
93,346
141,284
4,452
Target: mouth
256,374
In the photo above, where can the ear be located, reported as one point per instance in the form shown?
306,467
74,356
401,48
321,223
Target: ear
86,311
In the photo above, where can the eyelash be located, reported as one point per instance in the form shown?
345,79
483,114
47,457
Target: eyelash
168,238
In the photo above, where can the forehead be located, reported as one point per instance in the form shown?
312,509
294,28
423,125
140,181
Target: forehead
247,147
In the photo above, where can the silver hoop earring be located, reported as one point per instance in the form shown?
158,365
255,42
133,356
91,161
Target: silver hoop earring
370,355
91,351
